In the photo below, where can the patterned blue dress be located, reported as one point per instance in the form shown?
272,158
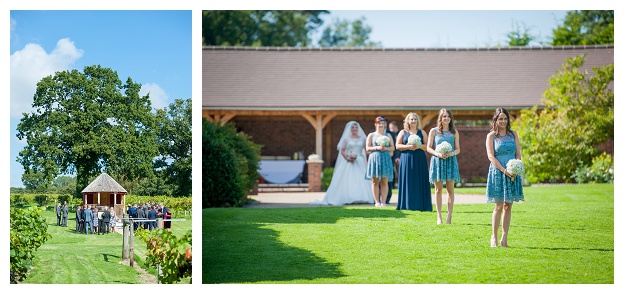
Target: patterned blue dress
499,186
443,169
379,163
414,187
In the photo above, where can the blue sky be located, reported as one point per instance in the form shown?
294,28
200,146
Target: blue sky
154,48
450,28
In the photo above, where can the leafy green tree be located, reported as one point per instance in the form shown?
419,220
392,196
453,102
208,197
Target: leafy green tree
155,185
342,33
259,27
175,145
519,36
586,27
64,185
578,115
84,123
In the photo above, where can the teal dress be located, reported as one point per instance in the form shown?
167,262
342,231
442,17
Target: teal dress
443,169
500,188
379,163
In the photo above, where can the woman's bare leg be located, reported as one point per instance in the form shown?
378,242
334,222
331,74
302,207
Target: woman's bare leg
375,188
506,223
438,194
450,190
384,190
496,218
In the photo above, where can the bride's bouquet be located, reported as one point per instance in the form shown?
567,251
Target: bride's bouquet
444,147
414,140
351,155
383,141
516,167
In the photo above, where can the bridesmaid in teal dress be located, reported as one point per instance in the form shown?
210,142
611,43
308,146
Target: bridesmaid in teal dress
503,187
414,187
379,168
443,168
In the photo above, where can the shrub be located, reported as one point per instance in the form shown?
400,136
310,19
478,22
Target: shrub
328,173
21,200
230,164
600,171
179,205
173,255
29,231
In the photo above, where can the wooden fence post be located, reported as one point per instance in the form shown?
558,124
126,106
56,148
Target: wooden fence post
131,243
124,250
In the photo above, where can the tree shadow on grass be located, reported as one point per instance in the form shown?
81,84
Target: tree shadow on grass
258,256
239,248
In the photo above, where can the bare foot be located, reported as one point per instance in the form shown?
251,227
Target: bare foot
439,221
503,243
493,242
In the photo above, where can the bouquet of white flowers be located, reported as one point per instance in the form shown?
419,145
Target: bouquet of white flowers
414,140
516,167
383,141
444,147
351,155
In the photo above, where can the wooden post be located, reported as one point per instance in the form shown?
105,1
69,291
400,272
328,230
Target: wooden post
131,243
318,122
159,273
124,252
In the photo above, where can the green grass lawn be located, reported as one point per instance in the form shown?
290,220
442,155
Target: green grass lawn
72,258
560,235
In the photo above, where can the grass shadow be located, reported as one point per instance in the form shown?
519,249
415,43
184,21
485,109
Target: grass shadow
227,248
225,253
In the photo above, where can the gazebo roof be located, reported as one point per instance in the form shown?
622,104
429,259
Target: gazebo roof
104,183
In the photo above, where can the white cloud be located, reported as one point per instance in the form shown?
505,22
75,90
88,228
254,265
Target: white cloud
157,95
31,64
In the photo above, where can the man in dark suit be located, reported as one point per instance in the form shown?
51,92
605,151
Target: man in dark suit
88,220
79,219
104,225
65,210
58,213
140,214
393,130
151,215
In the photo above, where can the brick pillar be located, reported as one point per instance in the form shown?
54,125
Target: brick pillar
315,172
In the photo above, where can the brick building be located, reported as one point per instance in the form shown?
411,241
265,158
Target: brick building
299,99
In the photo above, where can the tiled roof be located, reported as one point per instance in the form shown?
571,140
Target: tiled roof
104,183
289,78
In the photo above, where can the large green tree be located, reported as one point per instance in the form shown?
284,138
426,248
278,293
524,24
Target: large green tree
578,116
175,145
585,27
342,33
260,27
85,123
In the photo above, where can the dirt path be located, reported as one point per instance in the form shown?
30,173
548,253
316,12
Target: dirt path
303,199
144,276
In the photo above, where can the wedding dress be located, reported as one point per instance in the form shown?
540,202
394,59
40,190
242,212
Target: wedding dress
348,185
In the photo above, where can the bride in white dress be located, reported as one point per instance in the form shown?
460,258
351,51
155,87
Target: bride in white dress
348,184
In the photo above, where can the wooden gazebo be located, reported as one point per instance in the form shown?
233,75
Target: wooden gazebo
105,191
